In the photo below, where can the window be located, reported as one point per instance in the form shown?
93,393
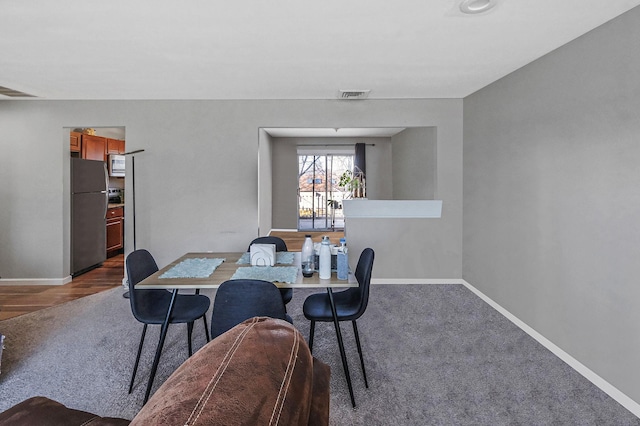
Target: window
319,197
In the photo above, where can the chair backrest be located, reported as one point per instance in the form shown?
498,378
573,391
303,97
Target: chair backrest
363,275
140,264
239,300
279,242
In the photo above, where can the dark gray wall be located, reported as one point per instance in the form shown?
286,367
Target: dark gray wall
551,197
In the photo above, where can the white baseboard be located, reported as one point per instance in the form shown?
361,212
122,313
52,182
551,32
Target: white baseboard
416,281
594,378
35,281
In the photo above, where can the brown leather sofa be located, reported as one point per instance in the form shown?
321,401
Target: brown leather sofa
259,372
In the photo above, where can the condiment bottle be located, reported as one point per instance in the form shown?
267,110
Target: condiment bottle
325,259
343,263
307,250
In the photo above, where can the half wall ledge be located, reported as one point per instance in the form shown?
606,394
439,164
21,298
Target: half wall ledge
401,209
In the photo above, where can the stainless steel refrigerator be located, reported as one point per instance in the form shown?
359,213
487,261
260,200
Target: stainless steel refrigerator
89,202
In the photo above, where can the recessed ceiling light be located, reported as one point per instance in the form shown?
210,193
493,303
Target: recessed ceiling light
476,6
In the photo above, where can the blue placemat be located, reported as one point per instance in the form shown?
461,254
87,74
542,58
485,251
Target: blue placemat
282,258
193,268
281,274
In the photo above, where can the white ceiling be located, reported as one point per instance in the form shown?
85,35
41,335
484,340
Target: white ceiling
282,49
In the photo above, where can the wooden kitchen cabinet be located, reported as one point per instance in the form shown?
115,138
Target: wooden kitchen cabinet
75,141
115,146
94,147
115,230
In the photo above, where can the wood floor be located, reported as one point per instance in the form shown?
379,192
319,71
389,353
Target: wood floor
19,300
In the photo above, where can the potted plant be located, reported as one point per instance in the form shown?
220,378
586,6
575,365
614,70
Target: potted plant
353,183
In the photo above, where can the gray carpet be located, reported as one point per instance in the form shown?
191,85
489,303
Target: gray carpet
435,355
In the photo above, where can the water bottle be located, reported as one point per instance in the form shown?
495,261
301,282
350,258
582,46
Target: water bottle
307,256
343,262
325,259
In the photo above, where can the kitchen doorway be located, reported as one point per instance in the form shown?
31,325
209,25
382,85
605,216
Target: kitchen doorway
97,199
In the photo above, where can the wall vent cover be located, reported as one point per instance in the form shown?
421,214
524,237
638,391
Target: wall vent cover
5,91
353,94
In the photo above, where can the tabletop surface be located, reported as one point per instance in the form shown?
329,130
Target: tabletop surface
226,270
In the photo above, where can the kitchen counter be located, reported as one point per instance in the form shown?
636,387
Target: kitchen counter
115,205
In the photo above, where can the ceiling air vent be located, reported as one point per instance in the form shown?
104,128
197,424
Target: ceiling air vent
5,91
353,94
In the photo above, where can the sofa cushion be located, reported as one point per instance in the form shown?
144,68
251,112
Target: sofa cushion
319,415
259,372
43,411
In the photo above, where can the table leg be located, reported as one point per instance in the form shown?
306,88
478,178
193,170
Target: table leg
163,335
343,355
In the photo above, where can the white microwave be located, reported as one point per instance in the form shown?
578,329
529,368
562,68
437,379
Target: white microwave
116,165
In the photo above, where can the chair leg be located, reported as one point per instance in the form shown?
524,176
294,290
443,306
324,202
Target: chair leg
364,373
311,331
343,355
189,334
135,366
206,328
156,360
163,336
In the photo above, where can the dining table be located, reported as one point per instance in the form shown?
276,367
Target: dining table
202,270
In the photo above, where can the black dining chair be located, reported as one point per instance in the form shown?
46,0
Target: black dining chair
151,306
350,304
287,293
239,300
